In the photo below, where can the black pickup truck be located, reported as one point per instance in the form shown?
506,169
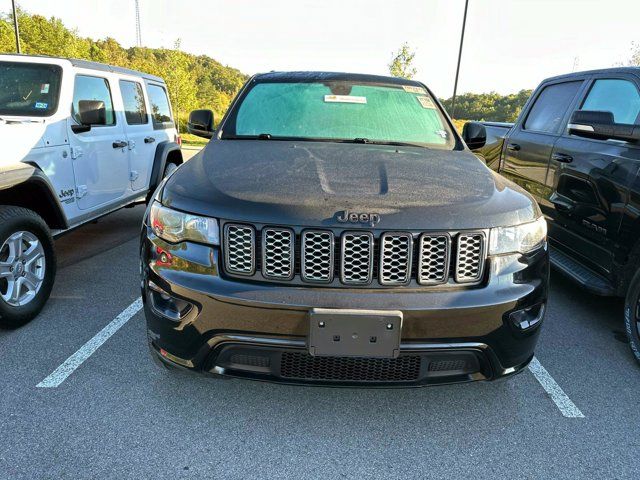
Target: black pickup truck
576,148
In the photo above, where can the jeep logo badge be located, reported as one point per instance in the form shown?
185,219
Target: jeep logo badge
356,217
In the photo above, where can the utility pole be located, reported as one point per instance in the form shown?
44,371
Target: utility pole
138,31
455,84
15,25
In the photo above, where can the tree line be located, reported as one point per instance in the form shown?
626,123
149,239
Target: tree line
193,81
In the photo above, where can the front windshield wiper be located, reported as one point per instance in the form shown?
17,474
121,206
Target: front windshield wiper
385,142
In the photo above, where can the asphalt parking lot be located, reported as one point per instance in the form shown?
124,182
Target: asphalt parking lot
118,415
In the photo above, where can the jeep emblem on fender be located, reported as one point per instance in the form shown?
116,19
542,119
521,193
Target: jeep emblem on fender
354,217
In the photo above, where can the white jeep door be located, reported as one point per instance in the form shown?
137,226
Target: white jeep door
141,138
100,156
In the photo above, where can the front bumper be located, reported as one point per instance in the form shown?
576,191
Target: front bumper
259,331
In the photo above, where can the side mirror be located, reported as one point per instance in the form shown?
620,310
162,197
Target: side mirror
201,123
601,125
474,135
90,112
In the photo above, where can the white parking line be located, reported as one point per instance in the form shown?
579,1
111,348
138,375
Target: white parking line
61,373
562,401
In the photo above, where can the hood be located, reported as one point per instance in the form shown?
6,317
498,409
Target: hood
18,139
312,183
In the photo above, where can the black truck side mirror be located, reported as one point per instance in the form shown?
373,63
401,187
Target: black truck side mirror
201,123
474,135
601,125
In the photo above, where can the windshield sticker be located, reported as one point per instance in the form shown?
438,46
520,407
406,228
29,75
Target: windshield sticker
41,105
344,99
442,133
426,102
412,89
44,88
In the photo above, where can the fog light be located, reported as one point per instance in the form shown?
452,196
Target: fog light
527,317
165,304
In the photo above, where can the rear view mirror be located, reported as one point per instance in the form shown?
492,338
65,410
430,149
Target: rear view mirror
601,125
201,123
474,134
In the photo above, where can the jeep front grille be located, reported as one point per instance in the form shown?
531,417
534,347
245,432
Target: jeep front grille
433,259
317,256
356,261
469,266
240,241
277,253
395,258
357,258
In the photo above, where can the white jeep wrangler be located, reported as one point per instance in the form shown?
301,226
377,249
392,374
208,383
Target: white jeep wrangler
79,140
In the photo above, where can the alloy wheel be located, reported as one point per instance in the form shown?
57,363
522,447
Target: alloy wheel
22,268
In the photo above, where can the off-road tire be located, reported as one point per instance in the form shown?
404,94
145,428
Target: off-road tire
15,219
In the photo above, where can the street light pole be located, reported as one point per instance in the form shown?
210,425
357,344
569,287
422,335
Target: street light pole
15,25
455,84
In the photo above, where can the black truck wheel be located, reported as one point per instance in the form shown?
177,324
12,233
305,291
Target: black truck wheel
632,315
27,265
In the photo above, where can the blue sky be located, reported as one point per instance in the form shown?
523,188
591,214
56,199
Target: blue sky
509,44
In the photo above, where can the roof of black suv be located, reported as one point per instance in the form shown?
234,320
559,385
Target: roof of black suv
335,76
632,70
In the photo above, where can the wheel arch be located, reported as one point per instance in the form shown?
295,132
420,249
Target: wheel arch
29,187
166,152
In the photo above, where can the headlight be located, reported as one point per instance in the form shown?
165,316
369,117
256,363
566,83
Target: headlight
518,239
175,227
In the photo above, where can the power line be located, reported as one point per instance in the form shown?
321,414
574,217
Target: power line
138,31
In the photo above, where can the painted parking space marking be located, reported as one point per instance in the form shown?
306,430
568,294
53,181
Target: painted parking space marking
61,373
562,401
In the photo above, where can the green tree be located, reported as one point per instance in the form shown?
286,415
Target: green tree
402,62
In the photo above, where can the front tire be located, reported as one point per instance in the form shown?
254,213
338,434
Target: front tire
27,265
632,315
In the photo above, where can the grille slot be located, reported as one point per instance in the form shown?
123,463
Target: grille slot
277,253
305,367
356,263
433,259
470,258
395,258
317,256
239,249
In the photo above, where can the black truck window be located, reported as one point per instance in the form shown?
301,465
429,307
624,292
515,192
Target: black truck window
617,96
550,106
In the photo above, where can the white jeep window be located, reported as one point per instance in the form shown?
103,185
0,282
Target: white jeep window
160,110
135,110
617,96
93,88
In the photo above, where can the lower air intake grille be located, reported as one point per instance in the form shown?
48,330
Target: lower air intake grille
447,365
306,367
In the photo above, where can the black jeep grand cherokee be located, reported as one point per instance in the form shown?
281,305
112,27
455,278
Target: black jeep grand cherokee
336,230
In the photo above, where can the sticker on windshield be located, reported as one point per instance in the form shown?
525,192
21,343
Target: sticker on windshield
44,88
426,102
41,105
344,99
412,89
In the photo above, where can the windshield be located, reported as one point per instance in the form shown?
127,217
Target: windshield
340,111
29,89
